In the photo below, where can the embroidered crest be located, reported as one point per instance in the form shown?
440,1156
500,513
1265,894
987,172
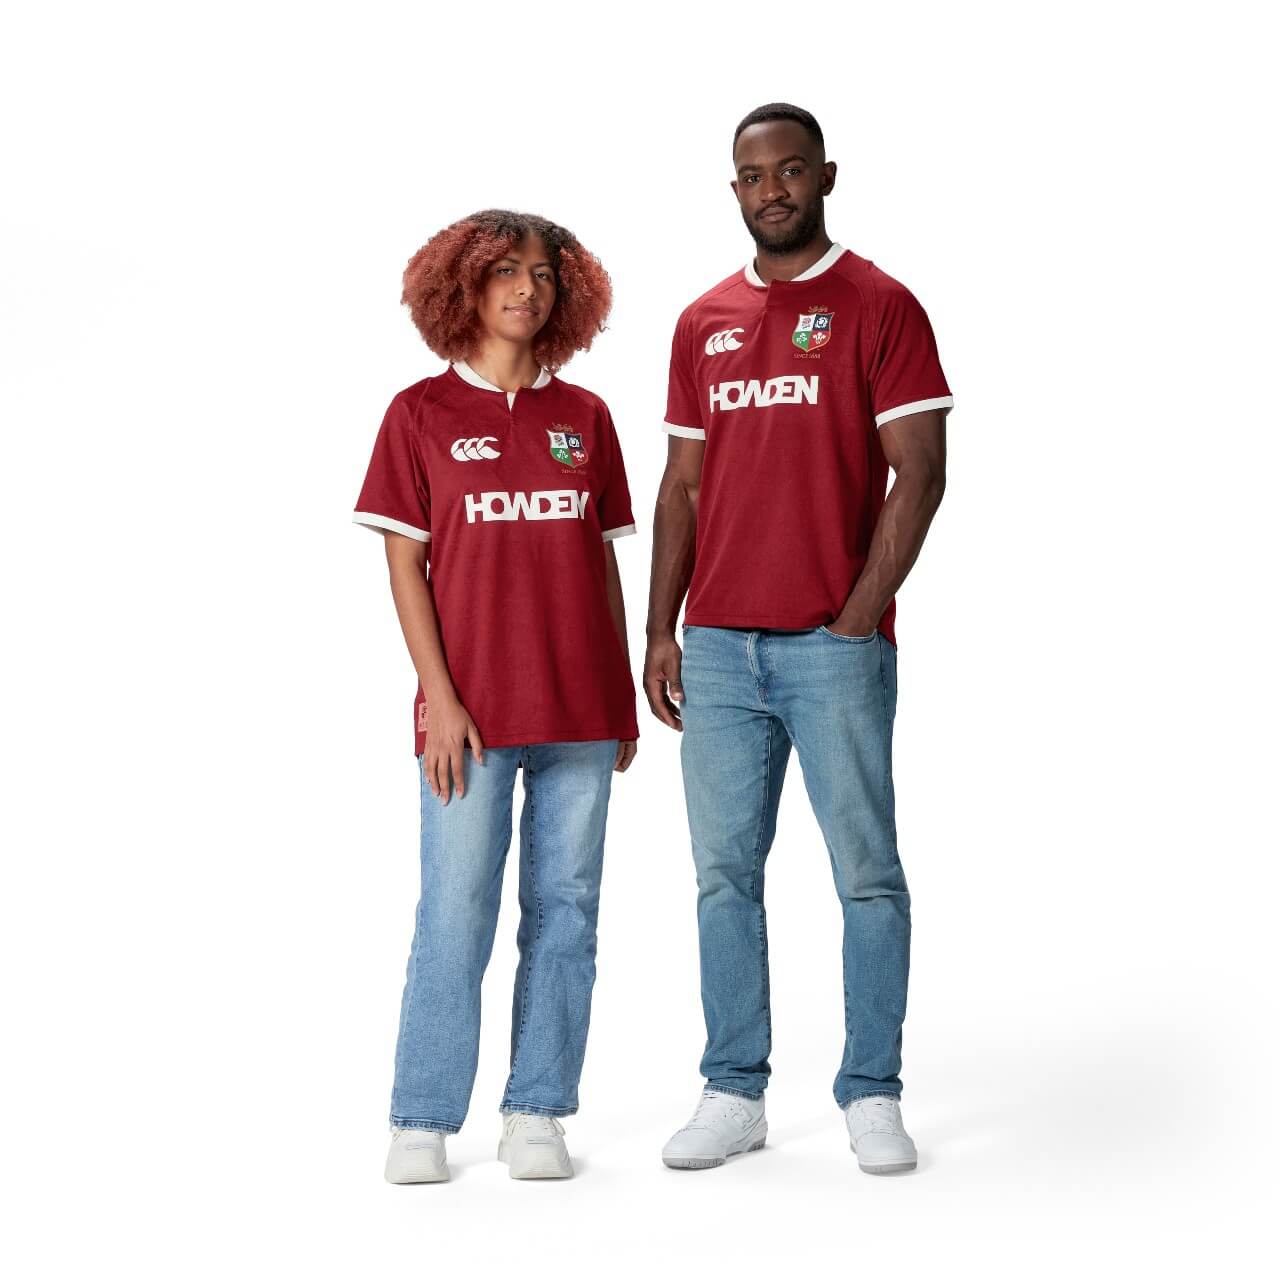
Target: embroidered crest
566,447
813,330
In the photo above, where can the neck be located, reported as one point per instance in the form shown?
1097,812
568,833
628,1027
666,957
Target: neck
509,365
789,265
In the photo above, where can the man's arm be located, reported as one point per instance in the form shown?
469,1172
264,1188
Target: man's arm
916,447
675,521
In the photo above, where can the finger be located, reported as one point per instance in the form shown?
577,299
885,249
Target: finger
442,765
429,770
626,755
618,755
674,685
477,747
457,758
655,692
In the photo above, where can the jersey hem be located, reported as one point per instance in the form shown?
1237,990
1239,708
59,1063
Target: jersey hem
630,733
688,433
757,623
622,531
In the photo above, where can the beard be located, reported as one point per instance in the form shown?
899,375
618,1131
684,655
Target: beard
795,235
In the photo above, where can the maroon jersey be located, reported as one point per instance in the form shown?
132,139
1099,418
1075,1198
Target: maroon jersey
516,494
788,384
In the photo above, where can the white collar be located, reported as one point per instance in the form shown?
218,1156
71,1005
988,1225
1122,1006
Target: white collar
468,374
827,259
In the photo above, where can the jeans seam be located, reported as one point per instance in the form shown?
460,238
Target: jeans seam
530,775
756,871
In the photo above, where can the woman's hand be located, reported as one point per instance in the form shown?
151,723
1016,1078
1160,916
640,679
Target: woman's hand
449,729
626,754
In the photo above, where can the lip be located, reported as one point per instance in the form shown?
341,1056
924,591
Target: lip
774,213
523,311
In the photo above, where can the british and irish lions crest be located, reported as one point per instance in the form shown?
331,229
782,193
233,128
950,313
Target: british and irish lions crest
813,330
566,448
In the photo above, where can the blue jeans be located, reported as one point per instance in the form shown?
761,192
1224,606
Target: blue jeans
464,849
749,697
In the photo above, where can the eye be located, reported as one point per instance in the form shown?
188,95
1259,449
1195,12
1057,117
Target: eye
751,177
791,169
502,271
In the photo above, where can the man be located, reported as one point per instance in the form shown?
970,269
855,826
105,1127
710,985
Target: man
795,386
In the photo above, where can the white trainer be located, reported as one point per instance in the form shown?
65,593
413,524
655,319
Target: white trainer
533,1146
416,1155
723,1125
876,1136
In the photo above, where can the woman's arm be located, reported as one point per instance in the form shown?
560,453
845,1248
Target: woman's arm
449,726
618,608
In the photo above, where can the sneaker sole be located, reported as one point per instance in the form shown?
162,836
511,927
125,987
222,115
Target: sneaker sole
692,1162
411,1179
900,1166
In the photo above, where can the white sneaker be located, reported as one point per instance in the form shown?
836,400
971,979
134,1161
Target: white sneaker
723,1125
876,1136
534,1147
416,1155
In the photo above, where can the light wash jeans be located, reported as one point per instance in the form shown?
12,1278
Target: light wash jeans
464,849
749,697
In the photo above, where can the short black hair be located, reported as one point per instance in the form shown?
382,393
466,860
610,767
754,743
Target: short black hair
782,111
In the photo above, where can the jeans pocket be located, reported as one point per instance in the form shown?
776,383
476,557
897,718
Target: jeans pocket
849,639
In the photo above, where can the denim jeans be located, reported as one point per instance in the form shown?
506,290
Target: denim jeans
749,697
464,849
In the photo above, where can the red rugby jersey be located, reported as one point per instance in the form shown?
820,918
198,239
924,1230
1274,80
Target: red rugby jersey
516,493
788,384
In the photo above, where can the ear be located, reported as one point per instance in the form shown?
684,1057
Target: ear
733,184
828,177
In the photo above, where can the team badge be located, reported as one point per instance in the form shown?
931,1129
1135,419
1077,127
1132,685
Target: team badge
566,448
813,330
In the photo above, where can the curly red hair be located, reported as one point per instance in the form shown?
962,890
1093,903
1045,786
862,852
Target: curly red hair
445,277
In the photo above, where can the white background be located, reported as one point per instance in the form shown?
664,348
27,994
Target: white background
210,793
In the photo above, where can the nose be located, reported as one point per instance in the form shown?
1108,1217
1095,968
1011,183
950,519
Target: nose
526,286
772,190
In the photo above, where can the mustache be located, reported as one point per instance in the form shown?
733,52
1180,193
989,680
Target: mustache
769,208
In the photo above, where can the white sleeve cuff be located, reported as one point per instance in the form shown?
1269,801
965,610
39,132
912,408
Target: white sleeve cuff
620,532
916,406
371,520
688,433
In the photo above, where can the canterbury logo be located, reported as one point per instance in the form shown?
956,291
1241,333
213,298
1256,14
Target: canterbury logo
792,389
473,448
545,504
723,341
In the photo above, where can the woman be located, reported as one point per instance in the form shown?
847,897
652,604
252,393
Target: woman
513,481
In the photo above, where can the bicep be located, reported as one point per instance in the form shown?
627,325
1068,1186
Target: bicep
404,552
684,463
918,440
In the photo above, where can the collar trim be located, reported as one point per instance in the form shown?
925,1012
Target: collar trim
828,259
468,374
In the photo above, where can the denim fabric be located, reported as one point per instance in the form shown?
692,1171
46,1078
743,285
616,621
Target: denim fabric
749,697
464,849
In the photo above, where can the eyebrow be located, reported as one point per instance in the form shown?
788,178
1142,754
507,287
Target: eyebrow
509,258
785,160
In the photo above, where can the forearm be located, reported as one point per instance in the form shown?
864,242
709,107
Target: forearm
421,626
895,543
675,521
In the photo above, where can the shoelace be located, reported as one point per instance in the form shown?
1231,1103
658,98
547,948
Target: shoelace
718,1102
878,1112
533,1126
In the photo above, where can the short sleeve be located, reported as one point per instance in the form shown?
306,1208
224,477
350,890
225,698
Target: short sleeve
613,507
684,404
906,375
395,495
